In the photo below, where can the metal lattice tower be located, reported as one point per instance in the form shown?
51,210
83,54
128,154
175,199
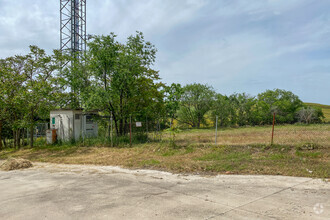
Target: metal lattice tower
73,25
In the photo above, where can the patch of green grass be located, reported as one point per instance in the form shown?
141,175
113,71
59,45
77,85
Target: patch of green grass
308,154
222,155
169,150
189,149
226,166
277,156
151,162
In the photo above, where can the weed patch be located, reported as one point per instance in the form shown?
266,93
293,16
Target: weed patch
149,163
303,151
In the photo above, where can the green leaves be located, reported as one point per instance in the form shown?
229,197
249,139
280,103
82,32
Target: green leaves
28,84
196,101
120,79
283,103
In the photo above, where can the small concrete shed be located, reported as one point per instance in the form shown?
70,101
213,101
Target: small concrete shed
73,124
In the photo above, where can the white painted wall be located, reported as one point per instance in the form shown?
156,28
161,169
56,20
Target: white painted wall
70,127
63,124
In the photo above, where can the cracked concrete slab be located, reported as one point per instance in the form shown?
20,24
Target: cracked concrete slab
53,191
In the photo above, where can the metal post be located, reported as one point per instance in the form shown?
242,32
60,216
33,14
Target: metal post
273,129
216,129
130,130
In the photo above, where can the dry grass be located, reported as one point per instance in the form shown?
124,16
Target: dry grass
15,164
286,135
298,151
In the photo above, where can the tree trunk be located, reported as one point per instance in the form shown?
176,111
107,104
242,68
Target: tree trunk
172,119
121,127
15,139
18,137
109,127
116,123
0,134
114,118
31,129
31,136
22,137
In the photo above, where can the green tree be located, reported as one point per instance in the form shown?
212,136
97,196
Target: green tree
4,97
196,101
283,103
121,80
173,95
244,108
41,86
224,109
12,103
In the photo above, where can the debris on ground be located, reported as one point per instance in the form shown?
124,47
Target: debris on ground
310,171
15,164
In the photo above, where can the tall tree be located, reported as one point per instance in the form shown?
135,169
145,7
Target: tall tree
224,109
12,86
173,95
196,101
41,86
283,103
122,82
244,105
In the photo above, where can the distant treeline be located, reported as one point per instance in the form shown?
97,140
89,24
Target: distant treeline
197,102
117,79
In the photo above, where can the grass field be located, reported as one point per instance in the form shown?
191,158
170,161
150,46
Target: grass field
297,151
325,109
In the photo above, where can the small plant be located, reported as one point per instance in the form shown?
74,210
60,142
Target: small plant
173,131
307,146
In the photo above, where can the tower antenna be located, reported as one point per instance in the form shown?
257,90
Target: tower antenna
73,26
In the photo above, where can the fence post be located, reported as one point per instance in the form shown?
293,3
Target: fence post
216,129
272,141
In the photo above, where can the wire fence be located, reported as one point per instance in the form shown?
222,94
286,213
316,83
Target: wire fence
293,135
158,130
288,134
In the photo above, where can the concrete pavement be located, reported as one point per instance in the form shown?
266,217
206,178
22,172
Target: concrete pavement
49,191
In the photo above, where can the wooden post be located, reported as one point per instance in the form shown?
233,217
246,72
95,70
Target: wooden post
273,129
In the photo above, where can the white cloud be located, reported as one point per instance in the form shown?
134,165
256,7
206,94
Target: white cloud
233,45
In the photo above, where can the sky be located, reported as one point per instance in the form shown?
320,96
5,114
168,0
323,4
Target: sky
232,45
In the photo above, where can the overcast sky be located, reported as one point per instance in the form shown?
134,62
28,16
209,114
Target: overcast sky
234,46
